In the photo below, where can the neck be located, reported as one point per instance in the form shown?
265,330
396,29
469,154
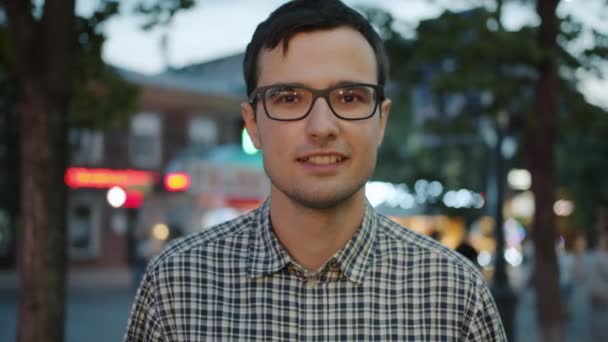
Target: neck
312,236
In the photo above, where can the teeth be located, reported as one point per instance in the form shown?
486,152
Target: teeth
324,160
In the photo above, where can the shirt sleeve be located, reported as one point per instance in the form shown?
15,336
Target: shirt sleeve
485,324
144,324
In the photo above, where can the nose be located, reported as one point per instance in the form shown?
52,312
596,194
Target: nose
321,123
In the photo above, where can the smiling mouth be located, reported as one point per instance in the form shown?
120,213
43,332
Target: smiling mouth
322,160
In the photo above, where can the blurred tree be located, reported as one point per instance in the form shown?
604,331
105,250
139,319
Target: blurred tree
423,139
392,159
574,115
53,57
9,150
543,124
42,51
581,168
478,70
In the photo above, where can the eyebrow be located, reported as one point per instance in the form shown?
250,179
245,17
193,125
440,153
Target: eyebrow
299,84
293,84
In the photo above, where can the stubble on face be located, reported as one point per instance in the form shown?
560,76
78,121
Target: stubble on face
328,56
316,199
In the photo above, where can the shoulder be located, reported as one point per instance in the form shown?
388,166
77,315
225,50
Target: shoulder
228,238
418,252
439,274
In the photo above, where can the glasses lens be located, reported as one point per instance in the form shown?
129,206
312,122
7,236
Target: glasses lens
287,102
353,102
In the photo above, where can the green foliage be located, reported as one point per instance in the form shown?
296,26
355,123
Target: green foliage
9,128
104,102
100,98
5,56
393,163
160,13
582,163
7,95
470,55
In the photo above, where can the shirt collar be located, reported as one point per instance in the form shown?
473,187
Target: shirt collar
267,256
355,258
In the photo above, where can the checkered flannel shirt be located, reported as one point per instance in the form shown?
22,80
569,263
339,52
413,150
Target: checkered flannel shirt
235,282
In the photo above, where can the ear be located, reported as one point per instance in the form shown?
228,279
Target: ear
385,108
251,124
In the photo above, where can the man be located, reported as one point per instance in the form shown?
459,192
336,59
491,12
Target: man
315,262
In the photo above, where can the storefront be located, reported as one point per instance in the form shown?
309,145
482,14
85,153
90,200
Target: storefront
99,227
200,192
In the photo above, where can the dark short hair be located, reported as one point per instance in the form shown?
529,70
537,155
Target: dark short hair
305,16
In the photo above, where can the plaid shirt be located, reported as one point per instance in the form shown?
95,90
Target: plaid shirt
235,282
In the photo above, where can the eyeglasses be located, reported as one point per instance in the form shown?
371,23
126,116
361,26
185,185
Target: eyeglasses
286,102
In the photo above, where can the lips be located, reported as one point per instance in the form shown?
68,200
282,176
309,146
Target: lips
323,159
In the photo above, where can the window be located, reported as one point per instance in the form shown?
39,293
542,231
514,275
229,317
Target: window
80,232
202,131
146,140
83,227
86,146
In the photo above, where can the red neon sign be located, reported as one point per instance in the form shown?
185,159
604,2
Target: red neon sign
106,178
134,199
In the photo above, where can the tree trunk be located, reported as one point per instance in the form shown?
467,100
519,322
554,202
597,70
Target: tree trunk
543,185
43,245
43,49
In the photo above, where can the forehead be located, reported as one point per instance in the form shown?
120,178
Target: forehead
320,58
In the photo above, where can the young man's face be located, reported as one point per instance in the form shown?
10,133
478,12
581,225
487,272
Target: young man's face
320,161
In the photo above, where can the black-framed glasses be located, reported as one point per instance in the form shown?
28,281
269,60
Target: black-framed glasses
289,102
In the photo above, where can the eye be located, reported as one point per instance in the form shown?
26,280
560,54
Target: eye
284,95
349,98
354,95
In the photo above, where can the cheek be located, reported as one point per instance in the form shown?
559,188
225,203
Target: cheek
378,136
371,138
264,133
273,139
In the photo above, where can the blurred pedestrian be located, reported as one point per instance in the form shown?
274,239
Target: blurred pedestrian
468,251
565,265
595,270
527,265
315,262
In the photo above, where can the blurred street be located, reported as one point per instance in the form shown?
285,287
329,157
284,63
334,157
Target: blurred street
99,302
577,326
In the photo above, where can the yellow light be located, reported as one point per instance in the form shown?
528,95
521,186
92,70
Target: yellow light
177,181
563,207
160,231
519,179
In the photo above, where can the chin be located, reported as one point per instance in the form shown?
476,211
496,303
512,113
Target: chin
320,203
322,199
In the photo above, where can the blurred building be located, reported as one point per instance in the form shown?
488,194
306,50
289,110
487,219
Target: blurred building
193,108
